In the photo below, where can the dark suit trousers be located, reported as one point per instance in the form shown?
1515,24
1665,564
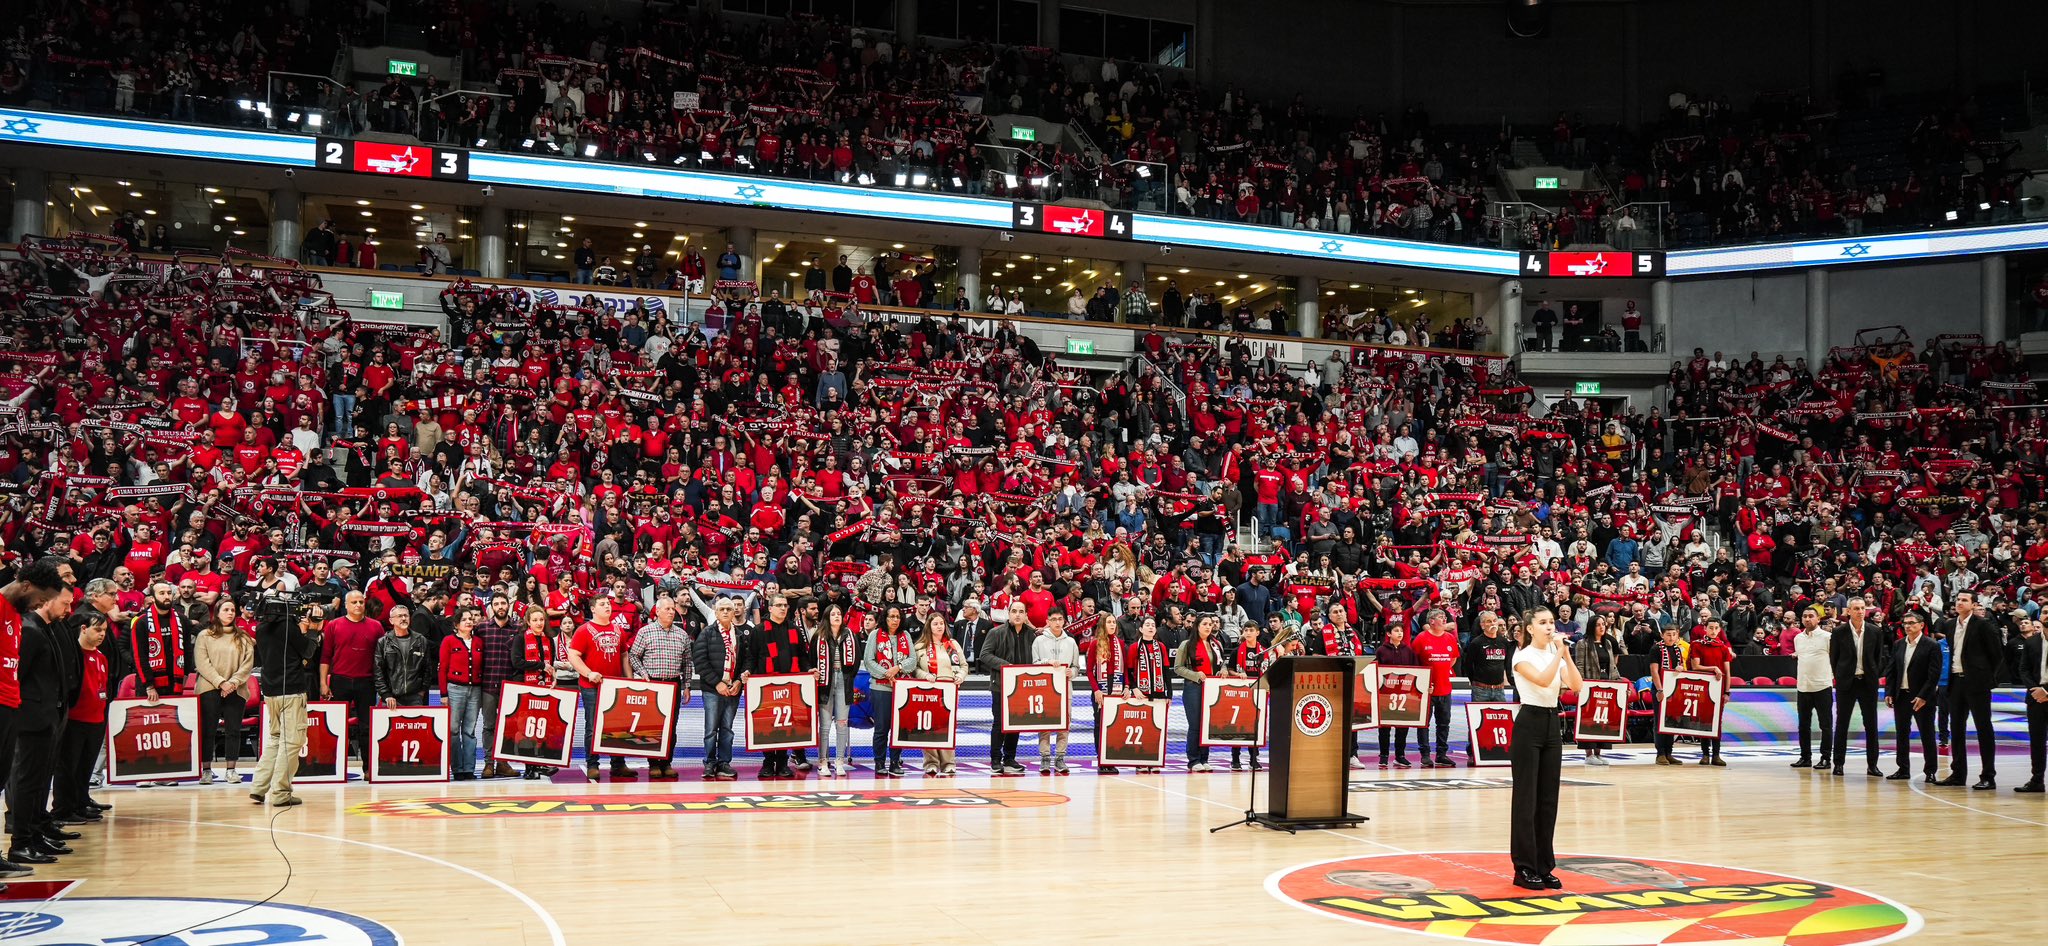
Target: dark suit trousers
1538,758
1907,720
28,785
1967,703
2037,736
1857,693
1817,704
77,751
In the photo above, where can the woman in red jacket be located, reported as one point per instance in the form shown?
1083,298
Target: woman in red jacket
462,674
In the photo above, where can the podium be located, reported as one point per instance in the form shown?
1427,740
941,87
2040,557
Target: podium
1309,699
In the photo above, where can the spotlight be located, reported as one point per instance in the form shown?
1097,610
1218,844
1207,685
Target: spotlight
590,150
902,178
919,179
1010,181
315,120
1145,171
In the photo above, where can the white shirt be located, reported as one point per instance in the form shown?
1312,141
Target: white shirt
1535,662
1815,673
1856,633
1956,646
1906,665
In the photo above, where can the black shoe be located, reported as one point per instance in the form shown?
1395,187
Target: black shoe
1551,881
20,855
72,817
1444,762
10,870
47,846
89,803
1528,881
465,776
1986,785
1874,772
1899,776
2031,788
1803,763
1953,781
60,835
1821,766
1841,770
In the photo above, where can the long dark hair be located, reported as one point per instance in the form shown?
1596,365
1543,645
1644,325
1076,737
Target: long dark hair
1525,633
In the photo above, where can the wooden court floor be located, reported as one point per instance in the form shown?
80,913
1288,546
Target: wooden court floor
1032,860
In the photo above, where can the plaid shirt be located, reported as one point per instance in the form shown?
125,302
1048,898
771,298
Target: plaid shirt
659,654
501,652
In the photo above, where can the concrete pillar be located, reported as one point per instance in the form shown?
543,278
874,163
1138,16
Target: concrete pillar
906,20
1660,315
1816,317
1510,326
970,274
1308,306
31,203
490,241
286,206
1049,24
1993,290
742,240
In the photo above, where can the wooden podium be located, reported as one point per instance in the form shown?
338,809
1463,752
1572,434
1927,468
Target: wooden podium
1309,699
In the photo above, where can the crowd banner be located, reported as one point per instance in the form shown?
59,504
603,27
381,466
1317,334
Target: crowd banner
1690,704
409,744
926,711
782,712
1490,730
1133,732
1033,698
635,718
534,725
1401,698
153,741
1233,713
1603,711
322,758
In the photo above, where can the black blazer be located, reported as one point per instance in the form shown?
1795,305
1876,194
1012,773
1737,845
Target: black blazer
44,671
1981,650
1842,651
1919,666
2030,661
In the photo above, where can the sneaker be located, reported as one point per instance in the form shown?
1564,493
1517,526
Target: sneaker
1013,769
949,771
1042,770
1236,765
11,870
288,801
1717,761
208,777
1358,763
1444,762
1427,763
1596,760
1383,762
1666,760
1402,762
1062,770
1105,770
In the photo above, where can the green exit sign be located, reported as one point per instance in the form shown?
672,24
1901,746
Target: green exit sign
1080,346
1586,388
1548,183
1023,133
400,67
387,299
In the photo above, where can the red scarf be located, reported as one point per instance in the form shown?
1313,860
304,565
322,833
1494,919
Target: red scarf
1108,672
894,651
728,635
931,659
1149,666
160,652
848,654
1338,644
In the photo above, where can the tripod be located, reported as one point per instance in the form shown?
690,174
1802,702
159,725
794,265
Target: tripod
1251,797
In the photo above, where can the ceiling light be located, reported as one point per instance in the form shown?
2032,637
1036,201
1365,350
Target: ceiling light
99,208
229,219
796,275
419,207
638,235
220,200
369,229
568,219
1009,265
1050,269
1067,260
560,256
241,233
367,214
1219,282
462,220
1162,279
1329,292
1354,285
1183,270
1244,276
1256,287
642,224
1037,276
831,239
1408,291
1025,256
359,203
150,212
81,190
562,246
135,193
519,226
777,246
216,190
416,218
122,183
897,245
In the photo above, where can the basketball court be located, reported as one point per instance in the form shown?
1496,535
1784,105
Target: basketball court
1756,852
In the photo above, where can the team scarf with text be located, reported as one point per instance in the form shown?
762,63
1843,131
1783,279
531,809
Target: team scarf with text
1150,672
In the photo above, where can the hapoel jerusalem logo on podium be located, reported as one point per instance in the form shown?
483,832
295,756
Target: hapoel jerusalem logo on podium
1470,895
1312,715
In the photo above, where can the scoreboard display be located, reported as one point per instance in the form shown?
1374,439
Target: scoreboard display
1596,264
1071,221
393,160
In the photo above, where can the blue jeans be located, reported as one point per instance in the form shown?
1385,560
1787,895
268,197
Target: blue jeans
1191,704
464,702
1440,709
1268,515
1212,547
1481,694
882,707
719,711
583,276
344,415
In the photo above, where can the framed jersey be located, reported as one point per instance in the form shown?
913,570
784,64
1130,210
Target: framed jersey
1233,713
408,744
534,725
782,712
321,758
1603,712
926,712
1033,698
636,718
1133,732
1690,704
1365,711
153,742
1401,697
1491,728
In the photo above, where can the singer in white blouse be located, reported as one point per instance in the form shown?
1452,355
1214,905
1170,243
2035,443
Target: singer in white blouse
1543,669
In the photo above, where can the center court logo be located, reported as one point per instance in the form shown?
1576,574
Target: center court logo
926,799
1605,900
150,919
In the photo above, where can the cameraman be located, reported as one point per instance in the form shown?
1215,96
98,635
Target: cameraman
287,659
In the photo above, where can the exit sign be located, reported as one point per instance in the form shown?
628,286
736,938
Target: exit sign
1547,183
387,299
1023,133
400,67
1080,346
1586,388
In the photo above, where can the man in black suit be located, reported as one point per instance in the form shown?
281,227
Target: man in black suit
46,687
1974,647
2034,677
1915,678
1857,651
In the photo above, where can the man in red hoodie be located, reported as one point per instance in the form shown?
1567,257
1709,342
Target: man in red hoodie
1437,645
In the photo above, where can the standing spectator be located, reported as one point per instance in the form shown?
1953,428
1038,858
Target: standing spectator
348,665
46,684
938,657
729,264
838,648
715,655
1056,648
660,653
887,657
224,657
1199,658
1597,657
585,262
1710,653
461,677
85,728
500,641
1395,652
779,647
157,642
1485,661
1545,323
1437,646
1011,642
1816,681
596,651
402,663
